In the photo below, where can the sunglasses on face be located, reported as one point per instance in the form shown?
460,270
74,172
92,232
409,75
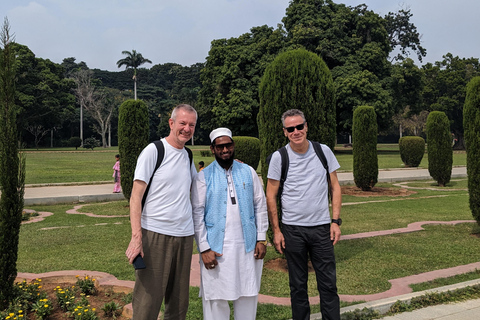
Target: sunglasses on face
298,127
222,146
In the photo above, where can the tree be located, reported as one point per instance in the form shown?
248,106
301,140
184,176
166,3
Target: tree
230,79
412,149
403,34
12,170
365,160
439,144
133,60
100,103
471,125
296,79
132,138
445,89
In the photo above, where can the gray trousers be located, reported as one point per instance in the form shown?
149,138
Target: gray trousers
166,277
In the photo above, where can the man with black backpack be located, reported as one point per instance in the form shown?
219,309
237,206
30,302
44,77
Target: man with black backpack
306,230
162,224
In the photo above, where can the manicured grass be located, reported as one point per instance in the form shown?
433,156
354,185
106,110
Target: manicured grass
68,165
445,281
105,209
453,184
364,266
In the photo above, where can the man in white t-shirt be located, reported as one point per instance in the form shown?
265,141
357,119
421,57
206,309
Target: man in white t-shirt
230,219
162,233
306,231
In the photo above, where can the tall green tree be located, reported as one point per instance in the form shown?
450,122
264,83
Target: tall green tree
133,60
12,170
296,79
132,138
365,160
445,89
230,79
471,124
439,144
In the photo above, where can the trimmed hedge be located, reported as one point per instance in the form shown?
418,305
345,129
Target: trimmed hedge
471,126
439,144
296,79
365,160
133,132
412,149
247,150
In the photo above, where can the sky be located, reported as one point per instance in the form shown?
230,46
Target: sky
180,31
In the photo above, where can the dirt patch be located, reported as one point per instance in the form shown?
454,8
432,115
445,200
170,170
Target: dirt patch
280,264
97,301
377,192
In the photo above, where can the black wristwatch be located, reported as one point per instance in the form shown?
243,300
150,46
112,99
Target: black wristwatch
337,221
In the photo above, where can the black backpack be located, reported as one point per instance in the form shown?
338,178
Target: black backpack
160,156
285,163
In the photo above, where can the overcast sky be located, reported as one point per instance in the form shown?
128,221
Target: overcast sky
180,31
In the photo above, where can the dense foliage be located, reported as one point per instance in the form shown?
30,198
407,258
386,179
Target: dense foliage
439,144
412,149
132,138
12,170
471,124
247,150
296,79
365,161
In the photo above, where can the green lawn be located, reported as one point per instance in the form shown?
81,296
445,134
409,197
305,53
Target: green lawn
364,266
68,165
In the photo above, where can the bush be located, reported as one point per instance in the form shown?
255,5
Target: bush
412,149
296,79
471,126
75,142
133,132
439,144
365,160
206,153
91,143
247,149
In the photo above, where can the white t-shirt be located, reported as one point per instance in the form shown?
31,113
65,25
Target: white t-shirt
305,191
168,209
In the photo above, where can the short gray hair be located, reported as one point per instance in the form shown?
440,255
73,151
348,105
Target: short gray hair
292,113
186,107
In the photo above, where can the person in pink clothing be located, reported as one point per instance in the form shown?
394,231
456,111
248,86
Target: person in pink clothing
116,175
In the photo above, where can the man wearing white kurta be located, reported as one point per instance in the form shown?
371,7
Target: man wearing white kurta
230,220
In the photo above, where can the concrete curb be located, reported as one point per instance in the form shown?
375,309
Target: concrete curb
73,199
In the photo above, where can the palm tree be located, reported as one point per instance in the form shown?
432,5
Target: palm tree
133,60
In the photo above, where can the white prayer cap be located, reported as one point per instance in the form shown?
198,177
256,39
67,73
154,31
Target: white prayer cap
220,132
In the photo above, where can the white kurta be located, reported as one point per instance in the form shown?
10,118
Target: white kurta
238,273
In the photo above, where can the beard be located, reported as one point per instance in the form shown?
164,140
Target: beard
227,163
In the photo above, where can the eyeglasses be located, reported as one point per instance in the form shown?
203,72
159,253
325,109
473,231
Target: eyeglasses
222,146
298,127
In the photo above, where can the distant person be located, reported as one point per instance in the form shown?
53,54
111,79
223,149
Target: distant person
162,231
116,175
306,230
230,219
201,166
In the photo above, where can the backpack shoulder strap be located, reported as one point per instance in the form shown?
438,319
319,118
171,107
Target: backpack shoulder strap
160,156
285,164
323,159
190,155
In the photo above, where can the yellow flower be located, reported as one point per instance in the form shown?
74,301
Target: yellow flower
86,277
11,314
46,306
20,311
93,309
85,310
20,315
79,314
39,287
77,276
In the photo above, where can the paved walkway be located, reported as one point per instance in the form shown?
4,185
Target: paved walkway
50,194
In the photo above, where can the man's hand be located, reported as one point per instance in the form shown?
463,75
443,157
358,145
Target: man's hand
335,233
279,241
260,250
209,259
134,249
